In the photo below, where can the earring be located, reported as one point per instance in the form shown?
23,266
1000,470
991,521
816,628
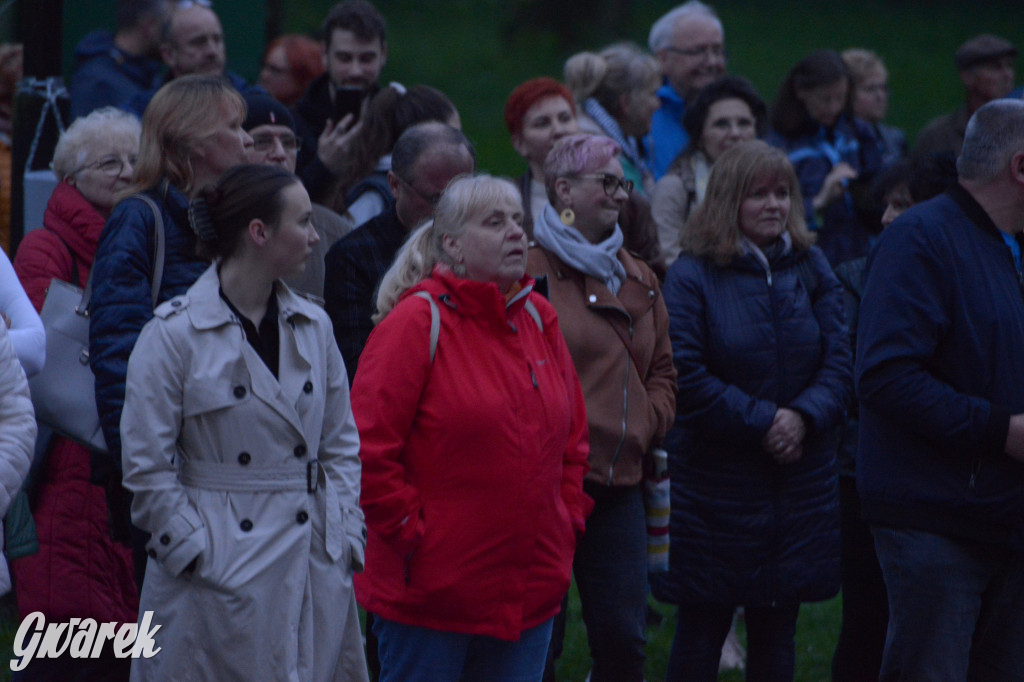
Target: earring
567,217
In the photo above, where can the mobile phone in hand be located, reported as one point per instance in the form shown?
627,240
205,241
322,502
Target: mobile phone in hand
348,101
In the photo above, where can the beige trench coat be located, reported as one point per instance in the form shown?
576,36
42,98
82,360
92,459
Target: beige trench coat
255,478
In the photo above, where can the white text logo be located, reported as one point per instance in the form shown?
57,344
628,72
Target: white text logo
81,638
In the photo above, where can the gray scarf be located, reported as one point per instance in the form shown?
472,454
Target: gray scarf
597,260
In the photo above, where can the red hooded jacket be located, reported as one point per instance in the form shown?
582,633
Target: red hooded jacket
473,464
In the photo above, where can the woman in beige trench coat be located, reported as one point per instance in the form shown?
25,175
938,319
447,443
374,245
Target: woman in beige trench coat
243,456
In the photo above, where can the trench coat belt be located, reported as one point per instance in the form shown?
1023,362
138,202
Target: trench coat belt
295,477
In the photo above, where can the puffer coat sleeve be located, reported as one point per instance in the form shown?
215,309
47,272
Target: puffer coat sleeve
706,401
17,433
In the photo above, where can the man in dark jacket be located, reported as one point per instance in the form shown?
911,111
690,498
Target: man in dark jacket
940,373
425,159
192,42
355,51
113,69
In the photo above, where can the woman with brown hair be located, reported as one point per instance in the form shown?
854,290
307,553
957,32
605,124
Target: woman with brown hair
762,352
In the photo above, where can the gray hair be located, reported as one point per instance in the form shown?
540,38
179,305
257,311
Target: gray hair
100,127
994,134
661,31
421,138
464,197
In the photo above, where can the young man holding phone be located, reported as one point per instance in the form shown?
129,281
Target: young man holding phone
326,118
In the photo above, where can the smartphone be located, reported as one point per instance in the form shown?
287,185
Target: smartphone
348,101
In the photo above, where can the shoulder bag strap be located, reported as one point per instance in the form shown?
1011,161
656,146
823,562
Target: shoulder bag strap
158,259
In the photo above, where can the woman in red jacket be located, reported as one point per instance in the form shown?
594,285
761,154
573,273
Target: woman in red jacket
78,572
474,447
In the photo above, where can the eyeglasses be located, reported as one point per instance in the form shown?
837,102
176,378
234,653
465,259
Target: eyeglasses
431,199
611,183
110,165
703,51
185,4
265,142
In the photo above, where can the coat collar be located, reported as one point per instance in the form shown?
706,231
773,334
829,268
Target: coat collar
469,298
75,221
206,309
636,296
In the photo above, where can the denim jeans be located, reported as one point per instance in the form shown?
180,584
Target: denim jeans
416,654
701,630
956,609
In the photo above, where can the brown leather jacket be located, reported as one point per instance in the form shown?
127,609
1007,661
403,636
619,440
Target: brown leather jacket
623,356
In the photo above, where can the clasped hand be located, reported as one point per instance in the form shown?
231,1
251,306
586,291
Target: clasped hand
784,440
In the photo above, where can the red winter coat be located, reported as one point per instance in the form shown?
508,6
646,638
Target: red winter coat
79,572
473,465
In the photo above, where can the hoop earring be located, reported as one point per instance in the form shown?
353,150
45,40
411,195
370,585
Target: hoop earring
567,217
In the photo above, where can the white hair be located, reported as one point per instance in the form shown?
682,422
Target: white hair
100,127
661,31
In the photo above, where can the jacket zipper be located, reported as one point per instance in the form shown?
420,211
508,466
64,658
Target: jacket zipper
625,408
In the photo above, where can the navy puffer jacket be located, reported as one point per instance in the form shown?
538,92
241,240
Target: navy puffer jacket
746,341
122,298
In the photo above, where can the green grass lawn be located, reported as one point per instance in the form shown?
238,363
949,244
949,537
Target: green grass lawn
816,635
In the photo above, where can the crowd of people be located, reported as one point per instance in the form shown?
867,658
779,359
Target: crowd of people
337,364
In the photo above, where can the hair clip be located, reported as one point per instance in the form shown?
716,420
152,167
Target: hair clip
199,219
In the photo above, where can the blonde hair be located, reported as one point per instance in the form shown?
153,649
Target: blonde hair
180,114
619,69
863,63
464,197
713,231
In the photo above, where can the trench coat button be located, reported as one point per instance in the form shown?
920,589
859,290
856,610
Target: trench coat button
307,387
165,539
244,458
593,298
302,517
245,525
152,554
175,304
239,391
300,450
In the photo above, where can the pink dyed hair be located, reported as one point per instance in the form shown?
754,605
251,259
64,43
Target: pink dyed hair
577,155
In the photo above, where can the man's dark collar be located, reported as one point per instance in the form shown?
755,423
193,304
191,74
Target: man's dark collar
974,211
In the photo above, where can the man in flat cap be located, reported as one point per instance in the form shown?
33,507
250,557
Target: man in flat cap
986,66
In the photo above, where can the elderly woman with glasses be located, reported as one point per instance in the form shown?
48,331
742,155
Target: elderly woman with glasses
78,571
615,324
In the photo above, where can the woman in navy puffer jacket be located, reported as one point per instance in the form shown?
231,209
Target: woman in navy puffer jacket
759,341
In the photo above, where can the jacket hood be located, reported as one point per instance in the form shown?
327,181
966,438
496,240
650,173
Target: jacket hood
471,298
95,43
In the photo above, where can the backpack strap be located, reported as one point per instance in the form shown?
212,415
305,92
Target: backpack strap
435,322
534,313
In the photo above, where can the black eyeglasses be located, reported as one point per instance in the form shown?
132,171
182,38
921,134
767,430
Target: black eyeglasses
110,165
431,199
703,51
611,183
264,142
